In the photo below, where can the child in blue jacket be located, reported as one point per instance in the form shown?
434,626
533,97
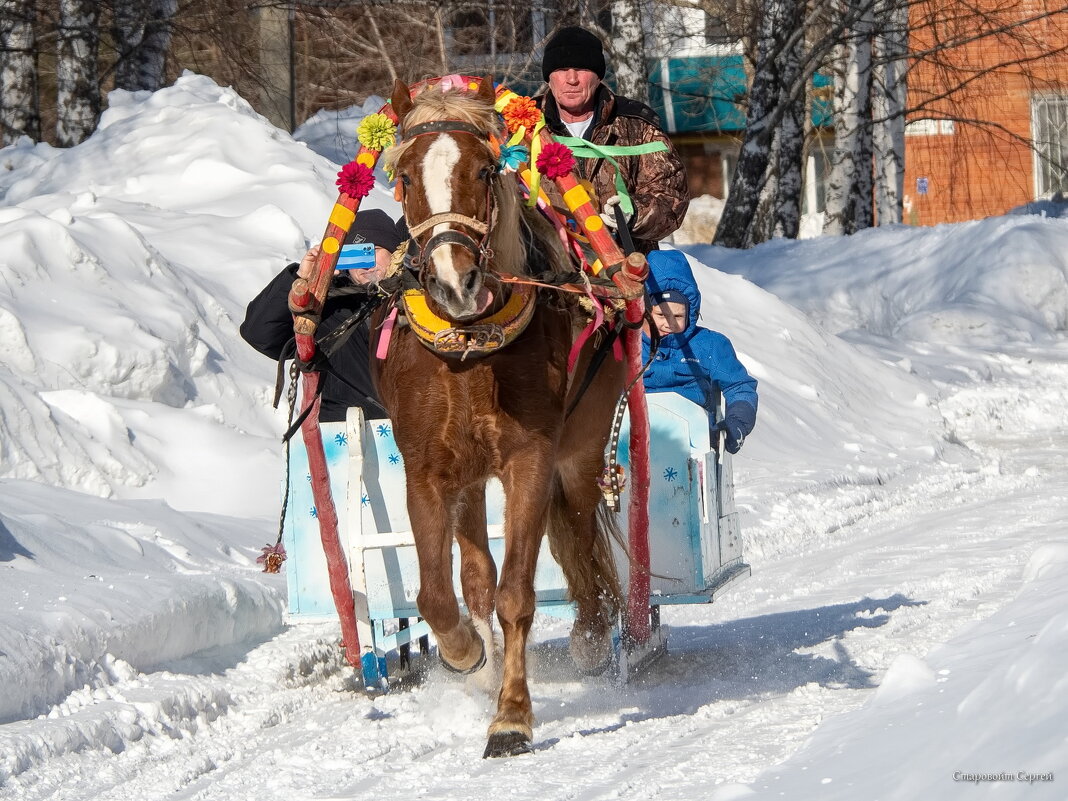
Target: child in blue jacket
691,360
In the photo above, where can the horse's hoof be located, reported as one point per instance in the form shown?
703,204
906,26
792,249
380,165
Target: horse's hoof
474,668
591,655
506,744
595,670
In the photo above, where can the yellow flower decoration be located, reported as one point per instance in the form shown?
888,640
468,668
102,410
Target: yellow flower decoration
521,112
376,132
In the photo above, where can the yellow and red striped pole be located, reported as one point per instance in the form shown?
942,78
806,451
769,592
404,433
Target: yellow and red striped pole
306,298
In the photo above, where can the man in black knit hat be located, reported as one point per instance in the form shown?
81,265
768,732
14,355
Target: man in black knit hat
578,104
268,324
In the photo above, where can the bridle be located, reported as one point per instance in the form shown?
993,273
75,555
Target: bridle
479,248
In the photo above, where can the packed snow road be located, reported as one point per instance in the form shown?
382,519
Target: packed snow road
849,580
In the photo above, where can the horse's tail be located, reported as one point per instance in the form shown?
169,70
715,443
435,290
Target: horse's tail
590,569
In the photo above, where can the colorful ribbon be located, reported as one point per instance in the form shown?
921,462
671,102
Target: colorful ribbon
588,150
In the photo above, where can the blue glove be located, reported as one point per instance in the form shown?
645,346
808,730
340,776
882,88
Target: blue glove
734,434
737,422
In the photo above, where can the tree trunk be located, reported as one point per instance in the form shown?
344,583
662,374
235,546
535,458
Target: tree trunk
790,151
735,229
849,198
19,100
142,33
762,226
628,50
276,94
77,81
888,110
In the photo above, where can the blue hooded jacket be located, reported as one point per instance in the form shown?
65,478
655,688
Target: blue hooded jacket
696,361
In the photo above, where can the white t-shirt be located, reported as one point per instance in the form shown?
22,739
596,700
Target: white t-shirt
577,129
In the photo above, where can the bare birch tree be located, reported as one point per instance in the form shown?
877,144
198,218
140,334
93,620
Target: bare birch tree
19,100
849,196
628,51
141,32
77,78
764,195
889,100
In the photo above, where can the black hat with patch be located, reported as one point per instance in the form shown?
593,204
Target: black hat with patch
376,227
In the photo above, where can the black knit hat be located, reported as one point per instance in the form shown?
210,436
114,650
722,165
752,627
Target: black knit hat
573,47
376,227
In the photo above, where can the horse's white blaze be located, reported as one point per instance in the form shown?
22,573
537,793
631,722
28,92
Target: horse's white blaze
438,164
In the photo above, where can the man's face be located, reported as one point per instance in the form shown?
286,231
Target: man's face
669,317
574,90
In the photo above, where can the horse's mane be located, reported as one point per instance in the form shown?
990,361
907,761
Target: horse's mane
520,235
432,105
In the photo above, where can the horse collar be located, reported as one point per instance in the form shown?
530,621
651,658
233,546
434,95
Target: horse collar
486,335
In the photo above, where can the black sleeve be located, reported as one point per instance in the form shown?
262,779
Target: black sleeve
268,323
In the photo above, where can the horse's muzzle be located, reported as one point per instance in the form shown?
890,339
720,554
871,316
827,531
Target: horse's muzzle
462,301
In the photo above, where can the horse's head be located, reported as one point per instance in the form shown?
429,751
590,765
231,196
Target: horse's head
450,191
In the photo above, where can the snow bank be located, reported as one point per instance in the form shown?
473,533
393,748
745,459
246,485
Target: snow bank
988,282
87,582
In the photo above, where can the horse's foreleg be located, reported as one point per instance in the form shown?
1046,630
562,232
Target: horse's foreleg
526,489
478,573
459,644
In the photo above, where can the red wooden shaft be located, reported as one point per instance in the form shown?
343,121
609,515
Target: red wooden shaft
336,563
636,623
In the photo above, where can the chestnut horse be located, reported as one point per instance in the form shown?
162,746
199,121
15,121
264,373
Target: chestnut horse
462,416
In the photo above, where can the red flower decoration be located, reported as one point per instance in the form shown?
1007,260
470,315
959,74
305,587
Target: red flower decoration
521,111
355,180
272,558
555,160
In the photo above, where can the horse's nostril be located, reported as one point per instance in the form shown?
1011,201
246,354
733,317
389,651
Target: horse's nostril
471,280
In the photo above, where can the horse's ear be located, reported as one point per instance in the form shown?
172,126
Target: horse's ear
401,100
486,91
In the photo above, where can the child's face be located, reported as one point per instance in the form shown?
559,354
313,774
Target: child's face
669,317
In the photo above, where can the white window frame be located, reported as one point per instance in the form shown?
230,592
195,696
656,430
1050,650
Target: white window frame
1049,139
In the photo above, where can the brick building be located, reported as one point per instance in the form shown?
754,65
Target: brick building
957,169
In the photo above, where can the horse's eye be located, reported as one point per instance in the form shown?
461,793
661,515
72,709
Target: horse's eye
406,179
487,172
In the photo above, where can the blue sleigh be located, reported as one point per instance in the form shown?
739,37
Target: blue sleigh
695,542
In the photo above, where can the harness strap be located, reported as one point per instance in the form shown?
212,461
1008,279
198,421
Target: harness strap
448,217
451,237
443,126
624,230
595,364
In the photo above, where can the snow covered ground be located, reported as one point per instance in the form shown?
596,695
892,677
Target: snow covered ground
903,499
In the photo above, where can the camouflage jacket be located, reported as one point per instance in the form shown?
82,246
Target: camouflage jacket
656,181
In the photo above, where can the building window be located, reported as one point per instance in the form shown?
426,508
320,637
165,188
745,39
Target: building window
493,27
1049,132
718,23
